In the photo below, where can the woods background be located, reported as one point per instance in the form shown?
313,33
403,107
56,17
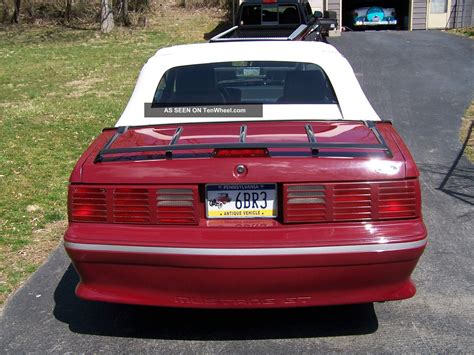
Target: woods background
106,13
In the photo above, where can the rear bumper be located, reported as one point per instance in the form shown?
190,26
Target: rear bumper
380,23
217,275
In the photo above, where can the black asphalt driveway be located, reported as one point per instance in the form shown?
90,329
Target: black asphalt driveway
423,81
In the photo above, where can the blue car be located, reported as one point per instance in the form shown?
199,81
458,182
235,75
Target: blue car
374,16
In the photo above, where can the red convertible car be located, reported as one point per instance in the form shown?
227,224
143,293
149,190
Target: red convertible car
246,175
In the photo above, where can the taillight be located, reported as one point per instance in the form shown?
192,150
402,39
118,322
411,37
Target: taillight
176,206
131,206
311,203
352,202
88,204
399,200
146,205
305,203
241,153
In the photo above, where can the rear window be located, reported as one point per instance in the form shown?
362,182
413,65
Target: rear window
272,14
251,82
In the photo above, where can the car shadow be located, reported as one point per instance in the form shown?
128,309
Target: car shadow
458,179
97,318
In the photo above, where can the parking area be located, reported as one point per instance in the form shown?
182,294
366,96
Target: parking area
423,81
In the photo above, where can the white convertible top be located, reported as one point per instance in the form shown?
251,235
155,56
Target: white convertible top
353,105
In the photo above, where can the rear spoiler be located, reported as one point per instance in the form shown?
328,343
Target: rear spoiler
312,144
299,34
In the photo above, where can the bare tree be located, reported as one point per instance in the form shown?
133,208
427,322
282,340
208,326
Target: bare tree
30,8
107,17
6,11
125,16
67,11
16,12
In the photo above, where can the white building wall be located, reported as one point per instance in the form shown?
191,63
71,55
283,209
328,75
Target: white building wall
317,5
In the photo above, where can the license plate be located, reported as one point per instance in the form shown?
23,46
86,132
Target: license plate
241,201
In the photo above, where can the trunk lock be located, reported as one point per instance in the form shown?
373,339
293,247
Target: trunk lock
241,169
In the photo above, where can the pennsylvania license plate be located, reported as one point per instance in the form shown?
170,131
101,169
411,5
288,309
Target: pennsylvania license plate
241,201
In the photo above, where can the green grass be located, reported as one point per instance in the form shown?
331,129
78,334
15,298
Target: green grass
465,32
466,133
58,88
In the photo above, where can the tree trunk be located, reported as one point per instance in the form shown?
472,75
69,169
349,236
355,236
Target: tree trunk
67,11
16,12
125,17
30,9
107,17
6,11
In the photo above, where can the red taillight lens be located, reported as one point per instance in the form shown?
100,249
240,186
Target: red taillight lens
352,202
88,204
241,153
399,200
308,203
176,206
305,203
147,205
131,206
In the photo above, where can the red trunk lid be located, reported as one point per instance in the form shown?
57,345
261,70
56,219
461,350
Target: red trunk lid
284,165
